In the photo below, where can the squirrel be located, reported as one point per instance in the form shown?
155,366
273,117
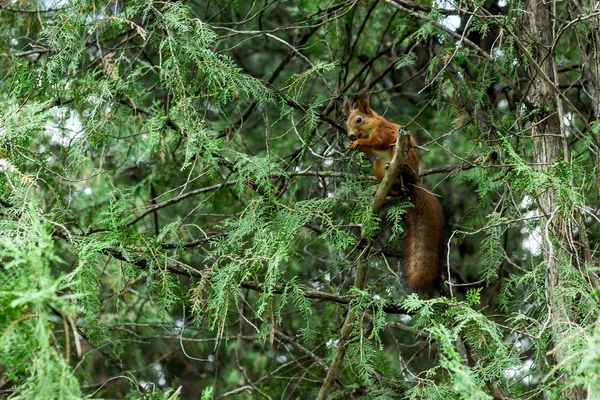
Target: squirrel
424,247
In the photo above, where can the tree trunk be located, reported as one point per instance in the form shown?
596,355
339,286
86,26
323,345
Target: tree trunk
592,70
549,146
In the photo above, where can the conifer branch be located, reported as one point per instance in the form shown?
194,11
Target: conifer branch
185,270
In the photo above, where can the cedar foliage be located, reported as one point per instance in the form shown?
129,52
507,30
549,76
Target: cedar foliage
180,218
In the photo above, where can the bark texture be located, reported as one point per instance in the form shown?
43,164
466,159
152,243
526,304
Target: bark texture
550,146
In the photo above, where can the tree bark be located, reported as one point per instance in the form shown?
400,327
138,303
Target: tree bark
592,72
550,146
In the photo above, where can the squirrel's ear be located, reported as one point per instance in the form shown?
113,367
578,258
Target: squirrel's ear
347,106
363,105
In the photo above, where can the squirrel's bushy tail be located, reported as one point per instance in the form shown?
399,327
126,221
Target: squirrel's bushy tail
424,251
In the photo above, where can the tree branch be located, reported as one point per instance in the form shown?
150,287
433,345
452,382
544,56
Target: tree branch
402,146
185,270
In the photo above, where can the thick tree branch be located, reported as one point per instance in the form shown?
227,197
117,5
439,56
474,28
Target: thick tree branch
402,146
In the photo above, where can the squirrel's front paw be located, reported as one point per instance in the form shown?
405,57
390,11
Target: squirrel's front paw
374,191
406,191
352,145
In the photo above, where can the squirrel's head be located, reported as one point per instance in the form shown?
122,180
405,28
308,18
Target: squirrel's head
362,120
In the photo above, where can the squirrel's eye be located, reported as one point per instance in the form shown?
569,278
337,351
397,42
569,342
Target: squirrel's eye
358,120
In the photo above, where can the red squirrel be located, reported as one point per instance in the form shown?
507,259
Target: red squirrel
424,251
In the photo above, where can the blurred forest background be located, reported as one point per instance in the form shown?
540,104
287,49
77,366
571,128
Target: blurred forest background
180,217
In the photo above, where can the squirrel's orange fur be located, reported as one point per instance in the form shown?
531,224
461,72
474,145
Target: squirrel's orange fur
375,136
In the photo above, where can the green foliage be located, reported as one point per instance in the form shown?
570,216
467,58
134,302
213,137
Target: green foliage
406,60
368,222
180,216
394,213
299,300
473,296
30,302
207,393
491,255
297,82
